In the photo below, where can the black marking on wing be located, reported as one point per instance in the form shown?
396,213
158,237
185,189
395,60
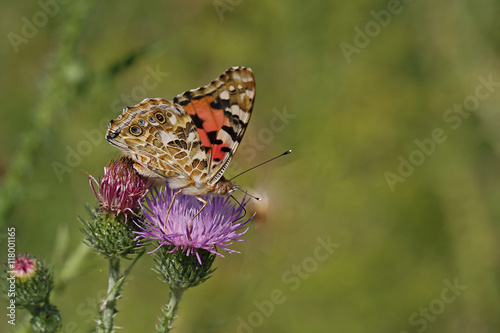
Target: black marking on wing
212,136
232,133
197,121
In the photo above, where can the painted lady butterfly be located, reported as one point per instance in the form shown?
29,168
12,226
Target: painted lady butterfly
191,140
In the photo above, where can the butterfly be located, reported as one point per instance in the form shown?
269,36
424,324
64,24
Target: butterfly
189,141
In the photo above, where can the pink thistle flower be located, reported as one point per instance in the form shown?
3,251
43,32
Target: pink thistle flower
121,188
24,267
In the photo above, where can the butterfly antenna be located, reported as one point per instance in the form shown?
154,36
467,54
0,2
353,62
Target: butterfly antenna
258,165
251,196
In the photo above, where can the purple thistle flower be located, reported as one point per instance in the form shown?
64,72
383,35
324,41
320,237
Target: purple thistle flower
214,228
121,188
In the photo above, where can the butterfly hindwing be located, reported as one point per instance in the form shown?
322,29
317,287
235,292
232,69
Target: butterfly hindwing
221,111
163,141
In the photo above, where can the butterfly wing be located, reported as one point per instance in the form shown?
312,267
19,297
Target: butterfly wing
221,111
163,141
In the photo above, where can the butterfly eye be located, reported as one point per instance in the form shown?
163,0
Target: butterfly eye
151,119
160,118
141,121
135,130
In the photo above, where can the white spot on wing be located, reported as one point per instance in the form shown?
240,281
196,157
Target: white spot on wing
191,137
166,137
224,95
172,119
235,109
199,155
250,93
226,138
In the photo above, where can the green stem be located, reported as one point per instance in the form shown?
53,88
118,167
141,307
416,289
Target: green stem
113,293
170,310
115,283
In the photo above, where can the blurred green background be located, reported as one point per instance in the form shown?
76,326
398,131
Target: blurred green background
356,89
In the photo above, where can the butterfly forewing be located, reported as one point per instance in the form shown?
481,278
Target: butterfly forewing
221,112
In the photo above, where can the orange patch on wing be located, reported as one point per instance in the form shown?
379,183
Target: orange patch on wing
217,153
213,119
204,137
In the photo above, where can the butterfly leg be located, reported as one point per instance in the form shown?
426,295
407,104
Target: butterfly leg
169,208
204,205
